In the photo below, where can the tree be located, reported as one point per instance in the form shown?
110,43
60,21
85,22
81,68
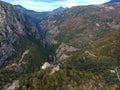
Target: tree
24,87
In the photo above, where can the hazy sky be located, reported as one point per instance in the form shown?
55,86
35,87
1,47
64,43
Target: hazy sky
48,5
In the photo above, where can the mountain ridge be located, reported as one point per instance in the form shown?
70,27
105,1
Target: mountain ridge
114,1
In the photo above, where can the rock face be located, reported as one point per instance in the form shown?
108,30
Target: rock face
63,49
12,86
13,24
10,26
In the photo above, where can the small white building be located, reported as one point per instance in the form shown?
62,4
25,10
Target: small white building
45,65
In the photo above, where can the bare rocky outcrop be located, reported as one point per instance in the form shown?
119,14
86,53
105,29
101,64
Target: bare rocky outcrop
12,86
23,55
17,67
63,49
114,25
117,69
55,69
48,32
9,27
7,30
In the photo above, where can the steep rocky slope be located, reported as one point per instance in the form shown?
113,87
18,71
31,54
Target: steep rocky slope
13,25
82,25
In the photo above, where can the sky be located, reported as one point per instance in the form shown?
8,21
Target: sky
49,5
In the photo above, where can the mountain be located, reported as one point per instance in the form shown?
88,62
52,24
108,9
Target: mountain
57,10
15,25
78,48
114,1
20,47
21,8
81,25
36,16
8,29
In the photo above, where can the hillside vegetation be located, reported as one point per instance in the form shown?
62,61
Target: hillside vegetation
87,68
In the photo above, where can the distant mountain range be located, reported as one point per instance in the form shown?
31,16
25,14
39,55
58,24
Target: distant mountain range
57,10
37,16
114,1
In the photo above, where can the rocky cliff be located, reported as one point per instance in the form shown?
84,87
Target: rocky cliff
13,24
